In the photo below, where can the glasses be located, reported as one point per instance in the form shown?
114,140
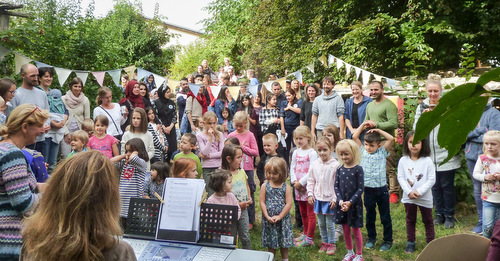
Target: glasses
36,108
13,92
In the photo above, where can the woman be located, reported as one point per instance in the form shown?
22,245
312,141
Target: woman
289,118
17,183
79,213
312,92
132,100
207,81
7,92
295,85
143,91
355,109
225,99
199,71
112,111
167,113
443,190
207,69
78,108
150,83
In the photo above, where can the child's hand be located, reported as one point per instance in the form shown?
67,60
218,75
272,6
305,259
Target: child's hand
489,177
497,175
210,132
271,220
369,124
346,205
311,200
249,202
276,218
414,194
243,205
276,120
297,185
332,204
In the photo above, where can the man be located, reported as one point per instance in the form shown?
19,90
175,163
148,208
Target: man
276,89
27,93
182,97
328,108
382,114
251,77
196,106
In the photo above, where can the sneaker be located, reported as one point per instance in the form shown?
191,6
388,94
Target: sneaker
478,229
250,226
410,247
358,258
300,238
349,257
386,246
370,244
449,222
323,248
304,243
439,220
394,198
330,249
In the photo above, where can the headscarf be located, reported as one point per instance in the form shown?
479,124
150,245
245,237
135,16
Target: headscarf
138,100
161,94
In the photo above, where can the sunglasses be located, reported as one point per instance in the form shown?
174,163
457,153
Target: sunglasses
36,108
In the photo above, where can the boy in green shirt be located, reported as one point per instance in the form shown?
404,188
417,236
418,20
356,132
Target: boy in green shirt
188,142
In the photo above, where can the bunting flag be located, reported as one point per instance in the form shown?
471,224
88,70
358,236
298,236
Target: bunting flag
194,88
3,52
253,89
268,85
115,75
141,73
99,76
323,59
282,82
215,91
82,75
20,61
173,84
340,63
347,68
331,59
391,82
234,90
366,77
357,71
311,67
159,80
378,77
298,75
40,64
62,75
130,71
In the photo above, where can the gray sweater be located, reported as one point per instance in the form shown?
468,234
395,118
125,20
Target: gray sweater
328,109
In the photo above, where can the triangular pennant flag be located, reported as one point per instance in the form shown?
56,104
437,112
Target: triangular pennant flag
215,91
142,74
310,67
130,71
194,88
82,75
391,82
268,85
115,75
322,59
20,61
62,75
347,68
340,63
366,77
298,75
253,89
282,82
357,71
3,52
99,76
377,77
173,84
234,90
331,59
158,79
40,64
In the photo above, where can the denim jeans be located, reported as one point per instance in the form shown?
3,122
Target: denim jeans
444,193
477,190
326,228
491,213
185,126
51,150
380,197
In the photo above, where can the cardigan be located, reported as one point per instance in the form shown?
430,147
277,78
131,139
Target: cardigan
79,113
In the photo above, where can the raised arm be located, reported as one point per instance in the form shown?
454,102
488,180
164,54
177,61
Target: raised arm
357,133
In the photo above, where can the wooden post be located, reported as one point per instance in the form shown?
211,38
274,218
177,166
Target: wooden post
4,22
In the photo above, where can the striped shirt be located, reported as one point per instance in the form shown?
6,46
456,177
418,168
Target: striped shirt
132,179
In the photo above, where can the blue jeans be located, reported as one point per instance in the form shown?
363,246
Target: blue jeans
477,190
444,193
326,228
380,197
491,213
50,154
185,126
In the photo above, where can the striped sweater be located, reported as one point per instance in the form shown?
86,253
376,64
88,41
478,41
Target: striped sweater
132,178
17,185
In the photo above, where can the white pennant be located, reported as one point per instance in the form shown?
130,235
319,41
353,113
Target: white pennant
215,91
20,61
82,75
253,89
377,77
40,64
298,75
310,67
340,63
391,82
115,75
358,71
268,85
141,73
62,75
159,79
347,68
99,76
366,77
331,59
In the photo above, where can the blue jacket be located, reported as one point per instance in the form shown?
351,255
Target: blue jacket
292,119
361,112
490,120
219,106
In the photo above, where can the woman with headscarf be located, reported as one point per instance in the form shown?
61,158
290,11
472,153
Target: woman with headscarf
167,113
132,100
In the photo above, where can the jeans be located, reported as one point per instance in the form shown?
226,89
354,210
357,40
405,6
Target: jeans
243,232
51,150
185,126
380,197
477,191
326,228
251,184
411,221
444,193
491,213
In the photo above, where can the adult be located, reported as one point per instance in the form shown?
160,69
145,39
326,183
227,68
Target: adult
490,120
167,113
7,92
207,81
207,69
199,71
78,217
181,97
443,190
232,77
196,106
17,183
78,106
355,109
227,64
289,119
251,77
132,100
299,93
225,99
112,111
143,91
27,93
243,92
328,108
224,79
150,83
277,91
124,82
312,91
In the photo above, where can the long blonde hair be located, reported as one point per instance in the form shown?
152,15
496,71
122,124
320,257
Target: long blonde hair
79,212
24,113
210,115
303,131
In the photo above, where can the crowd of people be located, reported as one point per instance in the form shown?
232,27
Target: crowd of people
334,153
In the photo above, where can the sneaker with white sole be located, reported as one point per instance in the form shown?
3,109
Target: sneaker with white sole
304,243
349,257
300,238
358,258
331,249
322,248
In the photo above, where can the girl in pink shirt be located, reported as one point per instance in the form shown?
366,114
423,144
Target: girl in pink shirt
221,182
102,141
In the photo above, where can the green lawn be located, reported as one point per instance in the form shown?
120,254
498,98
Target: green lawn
466,216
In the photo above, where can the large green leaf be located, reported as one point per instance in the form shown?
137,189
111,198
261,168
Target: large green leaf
493,75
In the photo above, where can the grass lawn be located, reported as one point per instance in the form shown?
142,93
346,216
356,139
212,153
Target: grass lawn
466,220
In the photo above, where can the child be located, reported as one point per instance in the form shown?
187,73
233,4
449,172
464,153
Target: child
58,117
332,133
88,126
373,159
487,170
221,182
185,168
299,167
232,140
102,141
159,140
270,146
133,167
220,128
249,146
349,186
159,172
188,142
198,126
231,160
79,141
3,118
139,129
211,143
227,122
276,202
321,193
417,175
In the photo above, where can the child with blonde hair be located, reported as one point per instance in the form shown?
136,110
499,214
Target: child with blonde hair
332,133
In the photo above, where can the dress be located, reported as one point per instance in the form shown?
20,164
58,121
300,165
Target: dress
279,234
349,187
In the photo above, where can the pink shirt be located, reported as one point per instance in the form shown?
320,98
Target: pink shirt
249,146
228,199
104,145
212,149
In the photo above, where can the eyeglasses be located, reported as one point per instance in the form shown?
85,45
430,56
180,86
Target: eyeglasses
13,92
36,108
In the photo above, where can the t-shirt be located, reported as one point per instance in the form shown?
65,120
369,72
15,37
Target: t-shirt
190,156
228,199
104,145
152,187
249,147
240,186
34,96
